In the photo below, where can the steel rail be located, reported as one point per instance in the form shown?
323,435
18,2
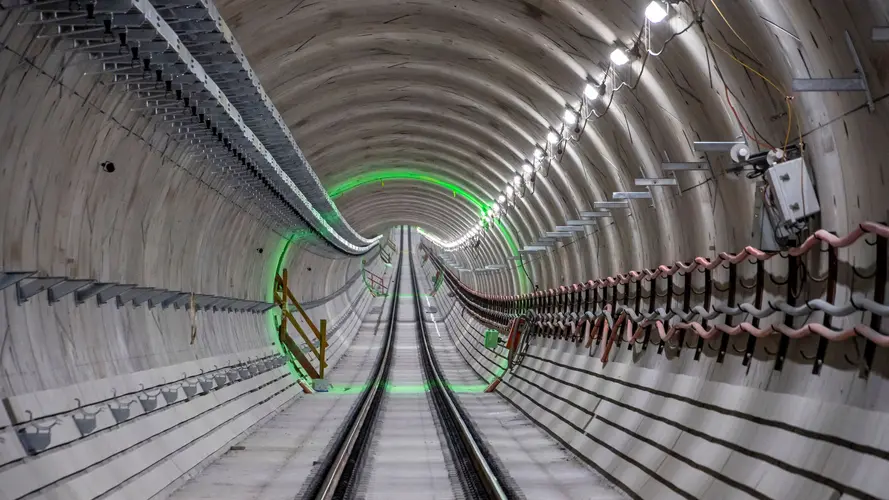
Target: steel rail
338,471
448,407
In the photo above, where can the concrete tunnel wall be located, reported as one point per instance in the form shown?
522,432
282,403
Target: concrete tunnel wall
465,90
160,220
657,432
157,221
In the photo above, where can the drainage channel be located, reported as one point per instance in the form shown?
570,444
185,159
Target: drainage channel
407,437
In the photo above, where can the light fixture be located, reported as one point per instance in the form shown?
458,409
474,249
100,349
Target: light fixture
538,153
619,57
570,116
517,180
527,168
509,191
655,12
590,91
552,137
501,198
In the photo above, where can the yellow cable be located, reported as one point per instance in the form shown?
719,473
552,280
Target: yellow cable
730,25
770,82
789,121
742,63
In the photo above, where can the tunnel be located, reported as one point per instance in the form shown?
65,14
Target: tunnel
427,249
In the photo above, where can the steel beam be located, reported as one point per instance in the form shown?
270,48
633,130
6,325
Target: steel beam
679,166
609,205
27,289
11,278
59,290
857,83
828,85
657,182
631,195
599,214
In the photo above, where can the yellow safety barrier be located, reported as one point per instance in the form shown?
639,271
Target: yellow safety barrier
284,299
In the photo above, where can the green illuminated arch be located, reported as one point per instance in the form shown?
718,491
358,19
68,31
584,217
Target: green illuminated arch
383,175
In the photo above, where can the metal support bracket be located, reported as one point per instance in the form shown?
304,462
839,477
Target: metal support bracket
159,299
631,195
582,223
59,290
683,166
609,205
176,300
9,279
880,34
599,214
112,292
657,182
857,83
130,295
26,290
224,304
148,296
81,296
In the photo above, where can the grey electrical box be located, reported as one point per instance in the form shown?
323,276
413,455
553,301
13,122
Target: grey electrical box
793,195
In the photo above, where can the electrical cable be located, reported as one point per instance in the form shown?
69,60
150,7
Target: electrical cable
741,124
783,93
730,25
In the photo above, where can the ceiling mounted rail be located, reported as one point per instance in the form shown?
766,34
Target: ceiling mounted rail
181,64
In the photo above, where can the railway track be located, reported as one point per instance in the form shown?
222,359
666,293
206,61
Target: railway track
407,436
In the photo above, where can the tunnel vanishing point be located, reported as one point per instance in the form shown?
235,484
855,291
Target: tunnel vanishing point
428,249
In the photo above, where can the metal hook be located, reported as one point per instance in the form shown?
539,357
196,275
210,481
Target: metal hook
739,351
853,363
769,351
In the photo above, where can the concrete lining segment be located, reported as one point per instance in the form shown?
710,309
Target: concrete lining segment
160,221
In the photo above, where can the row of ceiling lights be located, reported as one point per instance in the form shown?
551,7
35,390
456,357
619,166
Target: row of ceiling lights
523,182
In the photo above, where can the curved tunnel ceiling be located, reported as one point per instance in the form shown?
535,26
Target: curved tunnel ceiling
397,105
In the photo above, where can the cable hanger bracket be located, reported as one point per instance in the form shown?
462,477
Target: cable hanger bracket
856,83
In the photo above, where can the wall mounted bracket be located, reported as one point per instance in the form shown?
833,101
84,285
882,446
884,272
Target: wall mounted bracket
27,289
686,165
856,83
609,205
11,278
59,290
